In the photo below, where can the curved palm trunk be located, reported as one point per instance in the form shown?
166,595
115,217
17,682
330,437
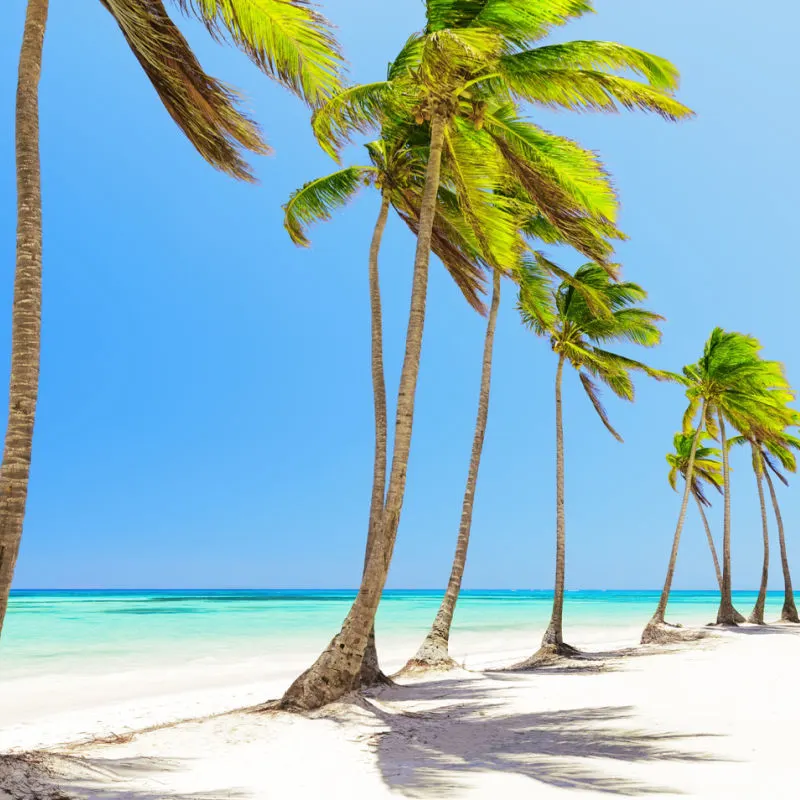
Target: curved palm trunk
712,547
434,650
26,313
789,611
336,670
726,614
371,672
757,615
653,632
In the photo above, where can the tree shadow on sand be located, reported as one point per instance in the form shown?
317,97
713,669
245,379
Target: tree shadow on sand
431,753
112,778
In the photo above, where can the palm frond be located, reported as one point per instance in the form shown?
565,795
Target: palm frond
594,395
357,109
287,39
202,107
593,55
318,199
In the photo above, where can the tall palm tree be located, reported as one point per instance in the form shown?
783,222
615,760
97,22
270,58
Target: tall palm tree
764,454
397,170
707,471
286,39
577,336
729,383
468,54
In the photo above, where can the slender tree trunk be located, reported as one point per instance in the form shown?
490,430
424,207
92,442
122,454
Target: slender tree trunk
371,672
789,611
26,312
712,547
710,538
434,650
554,635
653,632
757,615
337,669
726,614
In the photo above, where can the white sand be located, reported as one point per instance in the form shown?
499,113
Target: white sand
714,719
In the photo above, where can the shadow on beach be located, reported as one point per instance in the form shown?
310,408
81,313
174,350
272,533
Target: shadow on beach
430,753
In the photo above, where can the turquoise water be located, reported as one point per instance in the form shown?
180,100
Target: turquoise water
106,631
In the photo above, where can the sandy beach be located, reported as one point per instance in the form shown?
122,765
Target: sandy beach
706,719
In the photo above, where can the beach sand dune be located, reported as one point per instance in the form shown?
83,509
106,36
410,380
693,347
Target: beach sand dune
711,719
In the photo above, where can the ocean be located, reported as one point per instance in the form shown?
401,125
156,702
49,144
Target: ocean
91,632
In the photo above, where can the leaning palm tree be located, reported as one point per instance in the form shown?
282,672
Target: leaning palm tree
578,336
764,454
397,170
286,39
730,383
707,472
467,55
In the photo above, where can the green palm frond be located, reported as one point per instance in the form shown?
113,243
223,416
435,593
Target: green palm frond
593,55
357,109
203,108
593,394
318,199
589,90
287,39
523,22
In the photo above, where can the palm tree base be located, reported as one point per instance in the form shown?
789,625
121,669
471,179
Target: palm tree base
789,614
740,617
548,655
433,655
661,632
756,618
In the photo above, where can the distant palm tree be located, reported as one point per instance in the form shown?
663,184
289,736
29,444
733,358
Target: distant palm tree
764,456
576,336
708,471
470,58
286,39
729,383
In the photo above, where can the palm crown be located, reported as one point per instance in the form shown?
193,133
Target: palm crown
591,310
470,66
707,465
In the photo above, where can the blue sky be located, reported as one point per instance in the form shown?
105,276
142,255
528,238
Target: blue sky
205,411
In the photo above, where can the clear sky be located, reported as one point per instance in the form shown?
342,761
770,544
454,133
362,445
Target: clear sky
205,412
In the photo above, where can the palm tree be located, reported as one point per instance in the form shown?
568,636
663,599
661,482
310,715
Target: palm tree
576,336
287,40
780,450
708,471
444,78
397,171
764,453
729,382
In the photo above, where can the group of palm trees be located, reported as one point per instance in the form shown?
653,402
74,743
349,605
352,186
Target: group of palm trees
452,151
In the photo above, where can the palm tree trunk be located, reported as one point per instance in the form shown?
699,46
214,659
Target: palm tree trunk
336,670
434,650
789,611
757,615
726,614
371,672
710,538
653,632
712,547
554,635
26,312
